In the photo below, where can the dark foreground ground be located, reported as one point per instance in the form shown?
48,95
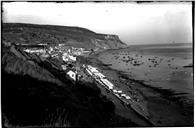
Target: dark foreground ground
36,94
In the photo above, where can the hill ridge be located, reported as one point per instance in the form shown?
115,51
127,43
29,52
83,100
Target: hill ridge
33,33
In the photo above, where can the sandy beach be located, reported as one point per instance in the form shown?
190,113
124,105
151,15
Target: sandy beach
162,77
162,67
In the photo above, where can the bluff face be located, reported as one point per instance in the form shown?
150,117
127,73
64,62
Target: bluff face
48,34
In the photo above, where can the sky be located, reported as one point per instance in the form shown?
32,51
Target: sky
145,23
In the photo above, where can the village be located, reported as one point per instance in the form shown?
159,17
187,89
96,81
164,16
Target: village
65,54
76,71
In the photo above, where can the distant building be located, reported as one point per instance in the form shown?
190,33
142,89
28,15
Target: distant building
100,75
66,57
107,83
72,75
72,58
92,69
119,91
124,95
35,51
60,45
128,97
64,67
114,90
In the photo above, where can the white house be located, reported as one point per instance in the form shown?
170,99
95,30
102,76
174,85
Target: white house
100,75
67,57
35,51
128,97
72,75
64,67
119,91
107,83
114,90
124,95
50,50
92,69
72,58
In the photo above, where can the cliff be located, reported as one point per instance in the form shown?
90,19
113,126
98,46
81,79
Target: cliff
48,34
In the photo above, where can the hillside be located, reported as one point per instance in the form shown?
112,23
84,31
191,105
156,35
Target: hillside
58,76
36,89
49,34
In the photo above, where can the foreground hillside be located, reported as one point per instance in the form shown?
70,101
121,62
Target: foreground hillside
48,34
34,93
37,89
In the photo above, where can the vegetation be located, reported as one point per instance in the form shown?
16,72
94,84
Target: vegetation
36,94
48,34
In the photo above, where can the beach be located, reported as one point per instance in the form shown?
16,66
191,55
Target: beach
162,67
160,76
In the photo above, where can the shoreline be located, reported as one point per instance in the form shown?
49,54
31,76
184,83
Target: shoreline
157,98
166,93
161,90
153,68
168,96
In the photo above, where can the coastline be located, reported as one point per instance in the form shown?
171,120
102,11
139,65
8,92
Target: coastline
165,106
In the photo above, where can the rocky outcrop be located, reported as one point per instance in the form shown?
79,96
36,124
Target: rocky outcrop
49,34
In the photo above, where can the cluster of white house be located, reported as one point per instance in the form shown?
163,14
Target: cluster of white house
41,52
35,51
102,79
71,50
72,75
67,57
67,53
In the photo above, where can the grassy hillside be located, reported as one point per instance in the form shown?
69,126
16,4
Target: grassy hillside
36,94
49,34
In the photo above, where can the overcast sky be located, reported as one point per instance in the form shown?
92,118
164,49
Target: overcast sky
132,22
